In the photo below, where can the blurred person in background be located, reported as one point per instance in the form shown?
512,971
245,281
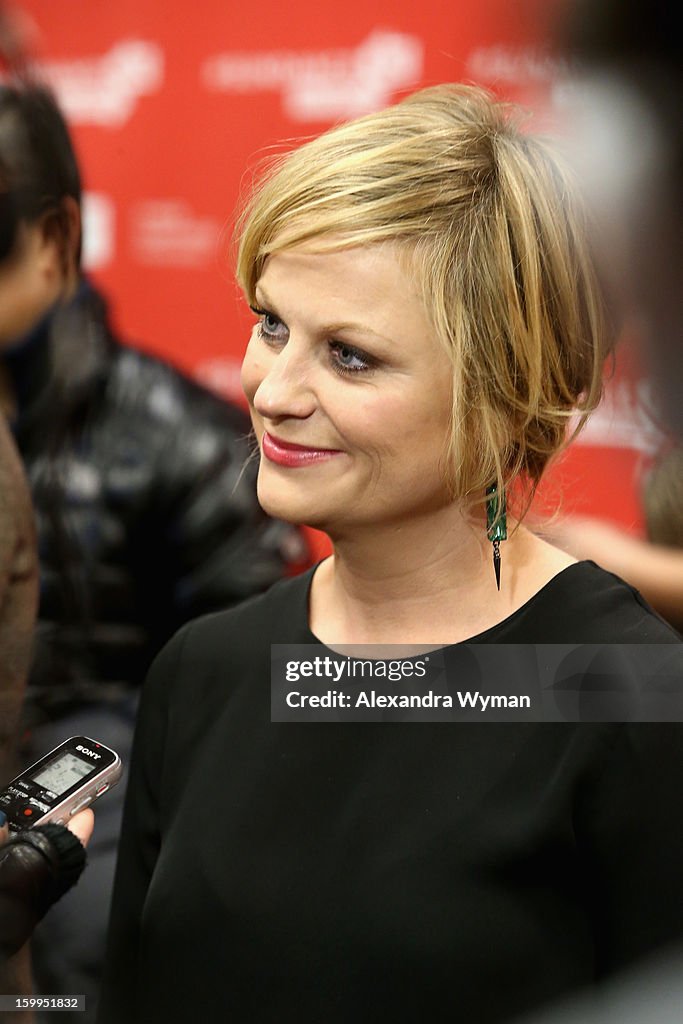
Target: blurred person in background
654,563
36,867
627,74
145,503
663,499
18,594
18,602
627,89
626,57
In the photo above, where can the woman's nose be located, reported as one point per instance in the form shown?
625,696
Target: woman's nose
286,387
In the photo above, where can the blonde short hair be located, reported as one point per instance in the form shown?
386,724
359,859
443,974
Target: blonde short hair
490,223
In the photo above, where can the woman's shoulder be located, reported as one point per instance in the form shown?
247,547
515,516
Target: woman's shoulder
211,657
587,604
278,615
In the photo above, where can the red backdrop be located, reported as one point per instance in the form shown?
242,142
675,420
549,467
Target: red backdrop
172,104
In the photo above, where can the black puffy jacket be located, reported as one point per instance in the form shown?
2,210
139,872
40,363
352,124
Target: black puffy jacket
145,502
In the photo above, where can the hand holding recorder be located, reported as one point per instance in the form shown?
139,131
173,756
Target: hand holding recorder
43,859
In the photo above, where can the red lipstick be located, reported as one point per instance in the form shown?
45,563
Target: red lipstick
293,455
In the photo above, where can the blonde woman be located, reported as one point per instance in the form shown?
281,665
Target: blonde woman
427,324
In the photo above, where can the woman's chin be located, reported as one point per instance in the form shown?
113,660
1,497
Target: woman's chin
296,509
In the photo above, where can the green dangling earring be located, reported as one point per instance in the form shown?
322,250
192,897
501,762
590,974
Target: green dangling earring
496,530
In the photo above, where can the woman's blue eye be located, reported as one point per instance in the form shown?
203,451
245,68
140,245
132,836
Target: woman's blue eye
347,358
270,327
271,323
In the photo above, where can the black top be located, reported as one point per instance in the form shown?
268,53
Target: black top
402,872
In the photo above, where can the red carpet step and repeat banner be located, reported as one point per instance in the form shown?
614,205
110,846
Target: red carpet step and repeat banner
172,105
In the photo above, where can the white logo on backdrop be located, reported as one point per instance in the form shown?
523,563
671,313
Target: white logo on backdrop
167,232
323,85
99,217
105,89
514,65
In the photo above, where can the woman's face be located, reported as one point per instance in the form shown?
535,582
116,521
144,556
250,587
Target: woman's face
349,390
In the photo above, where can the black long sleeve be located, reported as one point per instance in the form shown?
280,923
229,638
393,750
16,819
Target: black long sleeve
337,872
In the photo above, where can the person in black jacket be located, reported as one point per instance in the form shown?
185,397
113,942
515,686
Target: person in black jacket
143,491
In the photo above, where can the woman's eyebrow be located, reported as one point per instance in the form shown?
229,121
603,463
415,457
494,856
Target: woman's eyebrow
357,328
332,328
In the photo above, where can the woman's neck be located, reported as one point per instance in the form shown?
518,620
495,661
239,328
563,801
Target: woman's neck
413,584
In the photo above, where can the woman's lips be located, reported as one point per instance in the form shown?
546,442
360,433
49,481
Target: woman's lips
286,454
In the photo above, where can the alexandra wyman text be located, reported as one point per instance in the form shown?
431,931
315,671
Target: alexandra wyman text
372,699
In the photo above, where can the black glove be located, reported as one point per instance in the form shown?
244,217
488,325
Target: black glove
37,866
